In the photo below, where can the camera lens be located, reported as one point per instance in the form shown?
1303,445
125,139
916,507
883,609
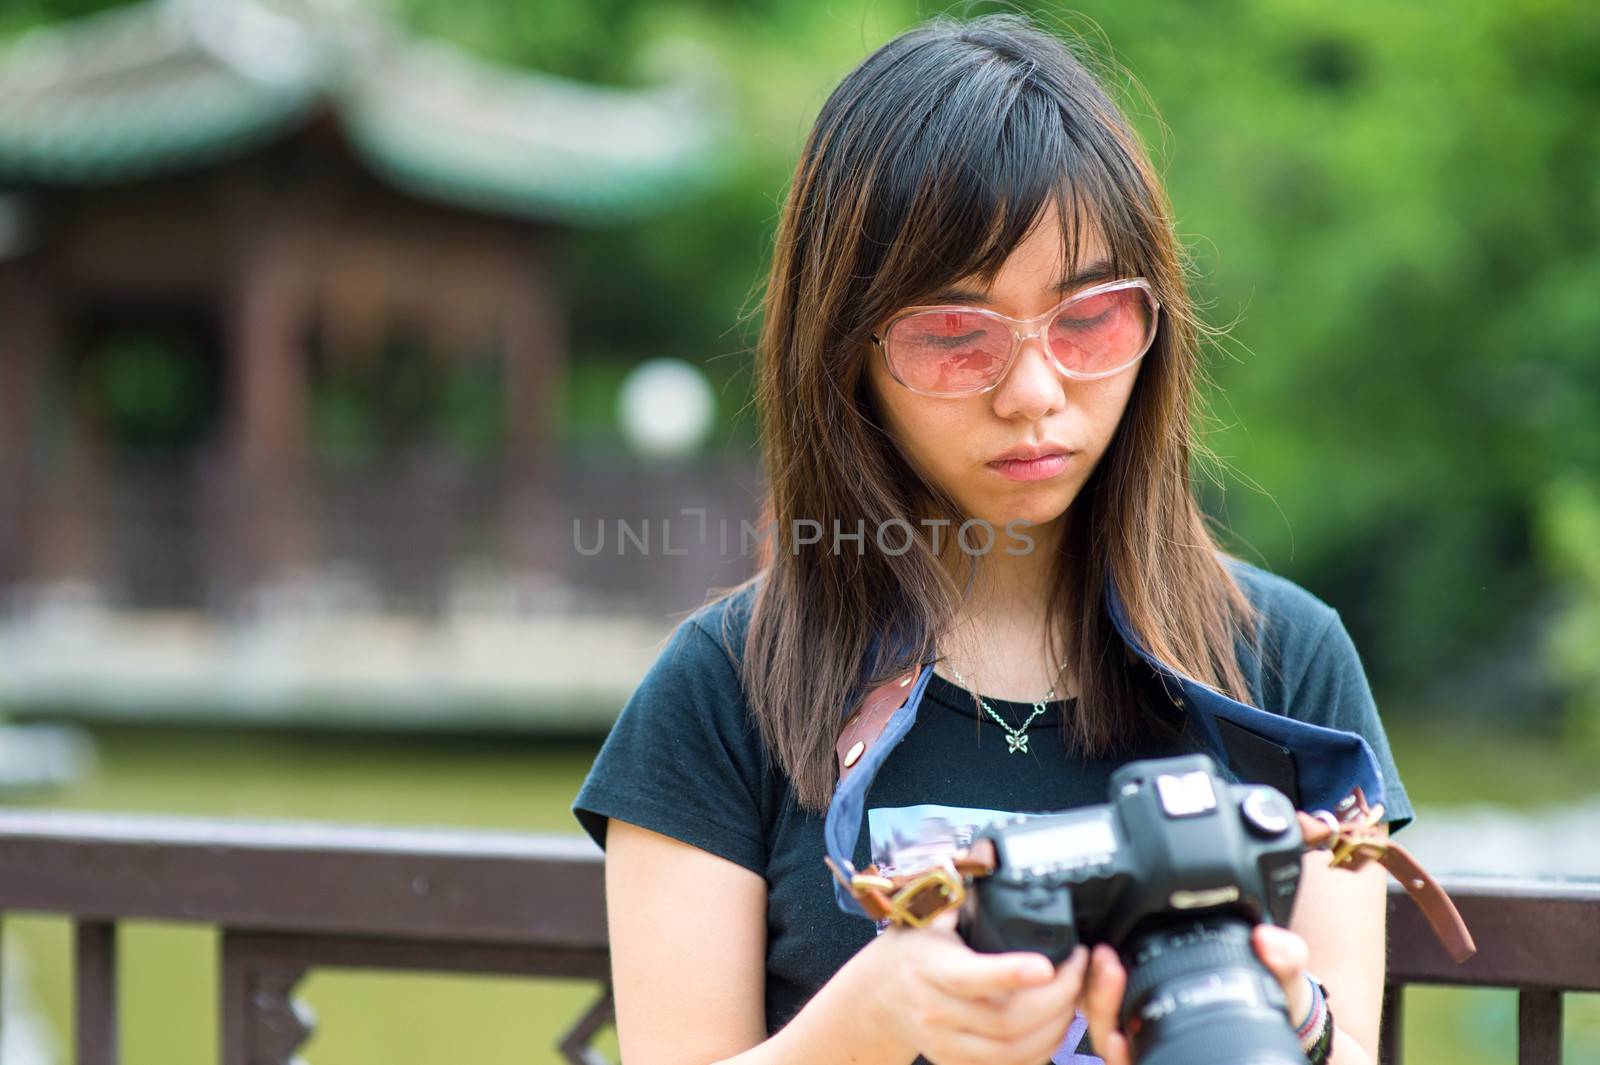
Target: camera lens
1198,995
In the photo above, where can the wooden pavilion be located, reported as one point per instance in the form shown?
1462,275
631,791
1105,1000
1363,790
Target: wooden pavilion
275,190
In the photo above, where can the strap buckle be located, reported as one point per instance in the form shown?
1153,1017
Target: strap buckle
1355,844
914,900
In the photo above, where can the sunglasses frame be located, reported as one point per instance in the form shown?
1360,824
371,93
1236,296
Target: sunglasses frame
1024,329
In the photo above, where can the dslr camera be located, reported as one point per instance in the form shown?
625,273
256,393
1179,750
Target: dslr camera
1174,872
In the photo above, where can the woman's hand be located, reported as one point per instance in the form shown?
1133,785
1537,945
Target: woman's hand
958,1006
1283,952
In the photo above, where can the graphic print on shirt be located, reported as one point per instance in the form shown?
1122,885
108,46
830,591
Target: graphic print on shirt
912,837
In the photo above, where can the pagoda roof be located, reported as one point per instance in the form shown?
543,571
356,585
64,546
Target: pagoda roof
172,86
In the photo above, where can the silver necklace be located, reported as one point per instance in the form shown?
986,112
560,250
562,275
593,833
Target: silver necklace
1016,738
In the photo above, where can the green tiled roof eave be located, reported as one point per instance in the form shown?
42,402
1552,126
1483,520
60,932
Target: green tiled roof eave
163,87
546,182
99,141
596,194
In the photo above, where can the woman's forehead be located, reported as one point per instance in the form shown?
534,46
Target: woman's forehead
1041,256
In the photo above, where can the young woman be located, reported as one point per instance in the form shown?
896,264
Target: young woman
976,375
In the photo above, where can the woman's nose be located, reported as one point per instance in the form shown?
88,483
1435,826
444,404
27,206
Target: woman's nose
1032,386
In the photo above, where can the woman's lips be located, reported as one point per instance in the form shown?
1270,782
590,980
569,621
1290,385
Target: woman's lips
1031,469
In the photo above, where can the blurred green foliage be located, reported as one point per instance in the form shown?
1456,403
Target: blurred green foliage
19,15
370,406
1398,202
151,391
1569,529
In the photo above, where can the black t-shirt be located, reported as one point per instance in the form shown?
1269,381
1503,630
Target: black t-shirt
684,759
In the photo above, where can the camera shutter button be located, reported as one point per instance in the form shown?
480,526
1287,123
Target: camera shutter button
1264,813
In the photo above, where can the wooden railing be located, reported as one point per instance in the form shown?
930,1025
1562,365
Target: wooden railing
1539,937
164,534
289,898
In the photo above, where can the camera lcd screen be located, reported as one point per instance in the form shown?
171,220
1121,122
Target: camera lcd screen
1062,843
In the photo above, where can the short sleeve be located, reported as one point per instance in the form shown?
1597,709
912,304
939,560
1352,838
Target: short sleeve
1333,692
682,758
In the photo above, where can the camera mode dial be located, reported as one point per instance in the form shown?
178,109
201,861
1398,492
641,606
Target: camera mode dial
1263,811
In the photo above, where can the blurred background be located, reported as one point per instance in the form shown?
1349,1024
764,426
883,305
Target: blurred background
356,358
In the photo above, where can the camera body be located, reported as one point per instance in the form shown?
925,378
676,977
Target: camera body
1174,872
1175,840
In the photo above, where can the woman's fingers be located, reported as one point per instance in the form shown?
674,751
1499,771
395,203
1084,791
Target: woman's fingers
1102,1000
957,969
1286,956
1035,1007
1005,997
1013,996
980,976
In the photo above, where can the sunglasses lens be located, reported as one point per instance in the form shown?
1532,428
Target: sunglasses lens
948,352
954,352
1103,332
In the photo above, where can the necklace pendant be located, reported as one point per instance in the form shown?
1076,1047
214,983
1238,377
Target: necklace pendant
1018,742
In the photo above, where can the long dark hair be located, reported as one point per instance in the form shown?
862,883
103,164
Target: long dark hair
930,162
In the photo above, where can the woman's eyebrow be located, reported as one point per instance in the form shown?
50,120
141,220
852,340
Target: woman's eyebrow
1099,270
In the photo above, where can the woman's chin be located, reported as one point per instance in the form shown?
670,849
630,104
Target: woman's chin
1022,510
1041,509
1026,522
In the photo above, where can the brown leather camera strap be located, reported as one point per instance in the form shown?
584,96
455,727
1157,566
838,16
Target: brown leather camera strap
1358,840
918,896
863,727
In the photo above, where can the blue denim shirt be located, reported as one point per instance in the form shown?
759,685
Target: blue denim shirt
1303,670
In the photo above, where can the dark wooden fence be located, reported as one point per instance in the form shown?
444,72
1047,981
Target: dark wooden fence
289,898
182,533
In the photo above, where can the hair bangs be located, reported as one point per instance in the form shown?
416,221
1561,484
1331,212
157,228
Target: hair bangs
961,195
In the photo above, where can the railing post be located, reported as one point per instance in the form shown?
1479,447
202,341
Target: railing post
1539,1028
262,1022
575,1044
1391,1030
96,979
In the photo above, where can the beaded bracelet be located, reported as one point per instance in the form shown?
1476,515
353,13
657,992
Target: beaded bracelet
1316,1033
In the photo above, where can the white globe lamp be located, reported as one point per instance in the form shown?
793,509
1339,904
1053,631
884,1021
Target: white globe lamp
665,408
